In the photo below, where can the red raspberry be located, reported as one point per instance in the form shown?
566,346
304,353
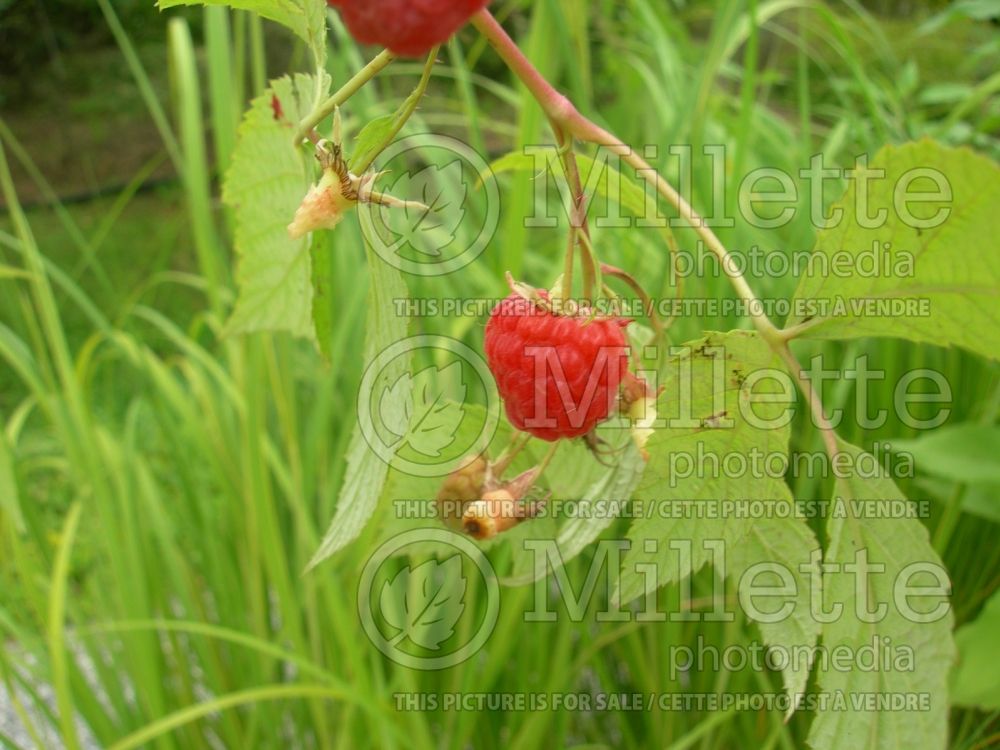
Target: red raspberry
558,375
406,27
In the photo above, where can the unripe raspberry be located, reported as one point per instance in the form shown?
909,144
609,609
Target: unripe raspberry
459,489
407,27
558,375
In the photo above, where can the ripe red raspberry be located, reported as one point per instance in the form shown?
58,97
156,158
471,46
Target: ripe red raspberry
558,375
406,27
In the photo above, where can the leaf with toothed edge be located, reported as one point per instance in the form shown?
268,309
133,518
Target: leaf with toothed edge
941,257
892,546
265,184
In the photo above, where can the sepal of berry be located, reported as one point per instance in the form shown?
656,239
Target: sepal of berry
638,404
537,297
459,489
501,509
642,415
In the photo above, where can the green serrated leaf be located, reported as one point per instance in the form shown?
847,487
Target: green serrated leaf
395,420
366,471
955,274
265,184
976,679
423,604
787,541
702,386
307,18
894,543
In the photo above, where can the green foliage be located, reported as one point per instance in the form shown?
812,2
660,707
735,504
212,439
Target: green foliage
206,469
307,18
976,680
707,386
954,271
966,453
891,545
367,471
9,496
706,407
321,250
791,544
264,186
595,513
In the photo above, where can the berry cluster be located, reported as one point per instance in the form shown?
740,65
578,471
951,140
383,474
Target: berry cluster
407,27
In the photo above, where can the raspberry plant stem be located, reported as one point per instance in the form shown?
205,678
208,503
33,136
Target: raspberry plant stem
345,92
579,232
568,118
571,123
812,396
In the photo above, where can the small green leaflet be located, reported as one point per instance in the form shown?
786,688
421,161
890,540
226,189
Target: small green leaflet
894,543
372,140
954,280
265,185
366,471
307,18
704,386
424,603
976,679
376,135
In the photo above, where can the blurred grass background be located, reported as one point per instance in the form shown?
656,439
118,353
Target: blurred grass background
151,472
